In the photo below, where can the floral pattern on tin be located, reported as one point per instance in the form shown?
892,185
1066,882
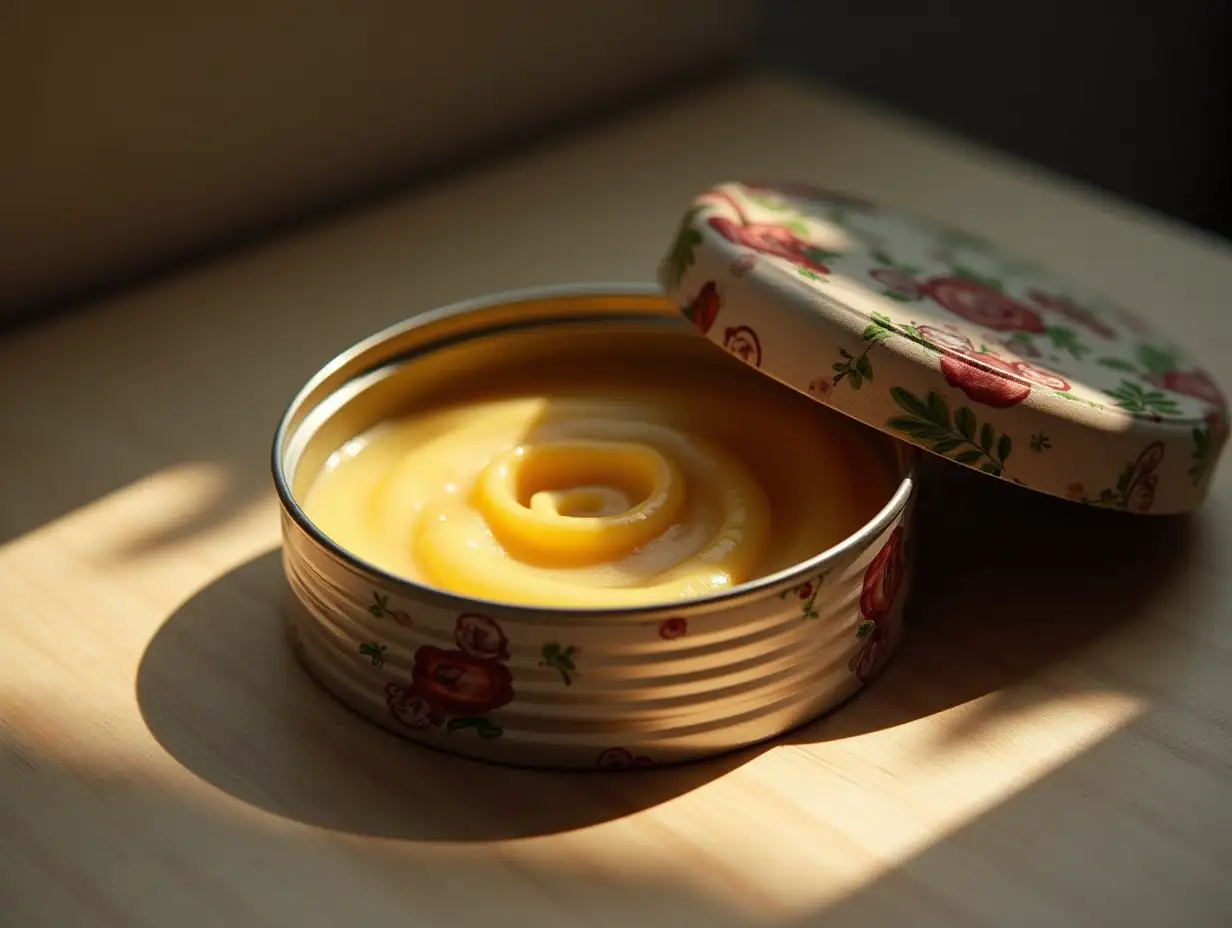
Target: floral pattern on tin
459,687
379,608
743,265
671,629
621,759
1072,311
1004,333
806,593
1135,486
786,240
560,658
855,369
959,436
743,342
480,637
967,295
704,308
1195,383
882,580
982,374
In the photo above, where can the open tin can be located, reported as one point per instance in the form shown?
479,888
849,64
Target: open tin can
558,687
921,336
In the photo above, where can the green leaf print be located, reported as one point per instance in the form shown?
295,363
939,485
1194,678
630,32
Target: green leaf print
681,256
1004,447
1135,399
1066,339
883,257
379,605
928,422
858,369
1157,360
560,658
374,651
485,728
1203,454
964,419
1118,364
807,592
1040,443
986,437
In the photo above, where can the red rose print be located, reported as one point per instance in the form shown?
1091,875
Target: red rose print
1196,384
983,305
481,637
769,239
1217,422
673,628
896,281
704,307
990,381
744,344
882,578
1142,493
869,656
622,759
1143,479
1039,375
804,590
1072,311
1150,458
411,710
454,683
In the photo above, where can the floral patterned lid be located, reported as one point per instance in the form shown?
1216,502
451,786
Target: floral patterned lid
943,341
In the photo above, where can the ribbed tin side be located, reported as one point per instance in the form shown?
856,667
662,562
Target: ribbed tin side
575,689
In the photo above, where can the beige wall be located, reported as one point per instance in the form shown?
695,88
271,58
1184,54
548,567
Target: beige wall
137,131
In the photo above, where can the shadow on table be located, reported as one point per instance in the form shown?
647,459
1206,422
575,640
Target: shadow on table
261,729
1009,583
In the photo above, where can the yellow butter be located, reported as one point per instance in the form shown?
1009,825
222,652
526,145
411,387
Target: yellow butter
602,488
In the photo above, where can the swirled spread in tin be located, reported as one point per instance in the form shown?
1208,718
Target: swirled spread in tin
640,487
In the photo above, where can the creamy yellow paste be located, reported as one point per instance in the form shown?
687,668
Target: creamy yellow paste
626,486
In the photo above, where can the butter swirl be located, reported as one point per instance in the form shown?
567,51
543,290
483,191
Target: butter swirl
584,500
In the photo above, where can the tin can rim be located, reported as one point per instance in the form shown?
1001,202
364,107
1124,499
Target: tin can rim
514,612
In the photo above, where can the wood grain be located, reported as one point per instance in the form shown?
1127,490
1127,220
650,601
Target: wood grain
1052,746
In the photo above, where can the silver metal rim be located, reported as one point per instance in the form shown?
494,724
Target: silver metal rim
746,592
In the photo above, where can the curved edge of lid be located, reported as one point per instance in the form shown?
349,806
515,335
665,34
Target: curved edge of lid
763,288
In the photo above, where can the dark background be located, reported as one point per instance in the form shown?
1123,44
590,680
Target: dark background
1134,99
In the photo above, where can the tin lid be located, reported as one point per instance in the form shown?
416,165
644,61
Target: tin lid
939,339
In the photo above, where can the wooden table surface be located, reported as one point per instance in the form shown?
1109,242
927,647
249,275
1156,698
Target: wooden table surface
1053,746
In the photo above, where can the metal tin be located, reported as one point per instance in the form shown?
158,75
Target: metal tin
569,688
950,344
